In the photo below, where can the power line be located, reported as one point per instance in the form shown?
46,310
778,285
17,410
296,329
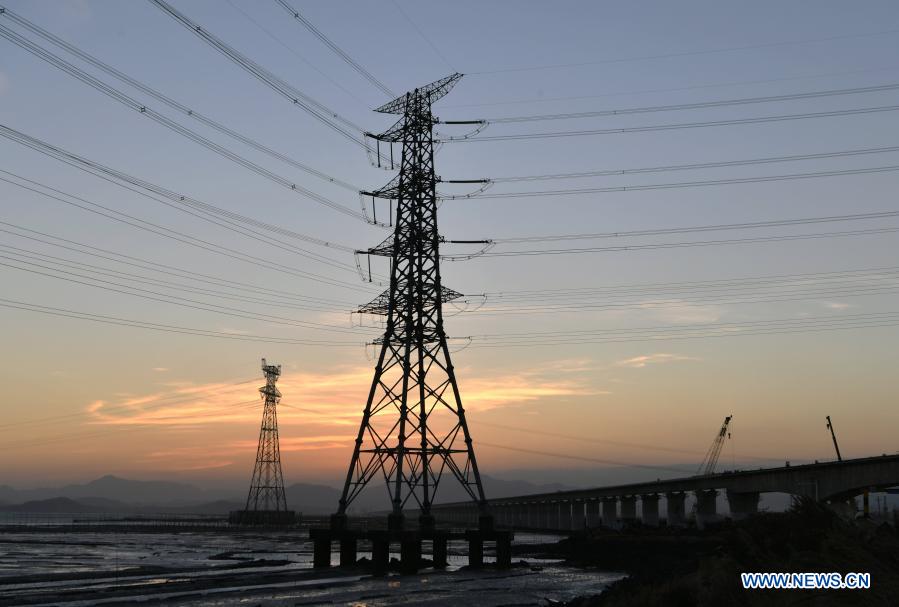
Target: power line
202,210
729,49
719,299
141,108
53,39
336,49
699,331
296,53
677,126
727,287
148,294
699,165
680,184
161,268
159,230
716,283
155,282
318,110
695,327
581,458
602,441
696,105
126,322
677,89
421,35
746,225
676,245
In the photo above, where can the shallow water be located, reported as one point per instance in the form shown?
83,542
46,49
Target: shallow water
219,568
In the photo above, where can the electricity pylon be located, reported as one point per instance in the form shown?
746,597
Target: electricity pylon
413,426
267,486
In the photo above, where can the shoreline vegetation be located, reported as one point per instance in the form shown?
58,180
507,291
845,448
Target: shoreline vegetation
689,567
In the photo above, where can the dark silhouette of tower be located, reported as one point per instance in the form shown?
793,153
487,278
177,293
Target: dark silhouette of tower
266,502
413,426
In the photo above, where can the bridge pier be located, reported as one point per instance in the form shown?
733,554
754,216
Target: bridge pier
545,515
577,514
592,510
532,515
565,517
610,512
706,507
649,505
628,509
676,509
742,504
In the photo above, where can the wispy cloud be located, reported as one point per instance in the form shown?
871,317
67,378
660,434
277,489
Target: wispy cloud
330,399
639,362
837,305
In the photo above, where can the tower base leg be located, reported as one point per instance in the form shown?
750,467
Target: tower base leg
476,551
410,555
380,555
321,552
347,551
439,553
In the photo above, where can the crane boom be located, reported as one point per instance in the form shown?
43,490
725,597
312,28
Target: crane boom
834,437
711,457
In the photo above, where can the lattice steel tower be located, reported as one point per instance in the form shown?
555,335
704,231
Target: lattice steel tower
413,426
267,486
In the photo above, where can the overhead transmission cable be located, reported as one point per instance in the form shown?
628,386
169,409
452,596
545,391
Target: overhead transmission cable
336,49
675,126
678,89
118,216
422,35
753,282
707,331
151,295
26,254
689,301
141,108
115,320
602,441
746,225
161,268
696,105
321,112
156,94
698,165
296,53
674,245
729,49
678,184
202,210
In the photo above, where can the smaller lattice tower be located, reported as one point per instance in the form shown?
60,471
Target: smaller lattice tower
266,502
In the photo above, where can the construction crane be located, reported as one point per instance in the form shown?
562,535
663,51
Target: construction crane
834,437
711,458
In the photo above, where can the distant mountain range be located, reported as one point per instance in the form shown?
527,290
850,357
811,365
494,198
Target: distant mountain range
120,495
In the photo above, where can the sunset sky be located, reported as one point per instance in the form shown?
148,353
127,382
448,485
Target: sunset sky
576,361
